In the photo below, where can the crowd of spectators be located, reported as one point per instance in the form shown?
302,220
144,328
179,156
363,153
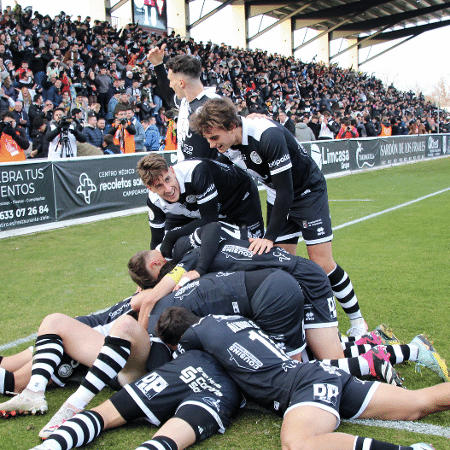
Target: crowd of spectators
83,78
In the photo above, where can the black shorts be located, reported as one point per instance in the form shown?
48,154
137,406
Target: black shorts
320,305
309,217
277,307
194,378
332,390
69,370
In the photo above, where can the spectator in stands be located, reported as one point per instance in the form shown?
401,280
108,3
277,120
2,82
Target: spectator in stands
161,121
139,137
386,128
123,130
314,124
347,131
103,82
54,93
286,121
152,136
360,126
328,127
93,134
38,141
62,136
13,140
21,117
303,132
108,146
370,127
417,127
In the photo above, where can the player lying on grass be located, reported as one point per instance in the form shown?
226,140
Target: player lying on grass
311,397
191,396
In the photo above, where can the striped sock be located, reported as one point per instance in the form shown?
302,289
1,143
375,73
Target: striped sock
110,361
343,291
6,381
159,443
48,354
79,430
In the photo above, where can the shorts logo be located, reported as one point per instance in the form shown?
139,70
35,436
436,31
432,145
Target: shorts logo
320,231
235,307
276,406
212,402
309,316
255,157
152,385
332,307
326,393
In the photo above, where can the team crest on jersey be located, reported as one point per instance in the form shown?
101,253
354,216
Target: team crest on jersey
255,157
191,198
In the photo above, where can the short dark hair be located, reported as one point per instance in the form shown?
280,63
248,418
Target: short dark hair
185,64
173,323
151,167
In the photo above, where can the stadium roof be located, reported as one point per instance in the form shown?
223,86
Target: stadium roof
381,19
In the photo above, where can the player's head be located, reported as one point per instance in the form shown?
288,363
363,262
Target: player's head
159,178
183,71
172,324
217,120
144,268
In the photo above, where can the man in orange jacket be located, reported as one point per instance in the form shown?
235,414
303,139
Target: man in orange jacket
13,141
123,131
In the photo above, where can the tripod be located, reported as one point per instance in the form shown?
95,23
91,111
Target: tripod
64,143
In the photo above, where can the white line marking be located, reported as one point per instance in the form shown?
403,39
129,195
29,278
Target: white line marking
352,200
414,427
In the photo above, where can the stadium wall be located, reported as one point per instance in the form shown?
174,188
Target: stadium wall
41,195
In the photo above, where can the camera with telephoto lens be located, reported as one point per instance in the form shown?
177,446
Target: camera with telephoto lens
7,125
123,121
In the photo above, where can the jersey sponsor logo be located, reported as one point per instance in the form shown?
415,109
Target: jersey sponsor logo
235,307
330,369
232,251
119,311
223,274
255,157
235,327
243,358
326,393
152,385
279,161
199,381
187,290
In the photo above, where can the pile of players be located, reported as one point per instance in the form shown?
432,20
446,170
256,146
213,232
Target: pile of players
226,308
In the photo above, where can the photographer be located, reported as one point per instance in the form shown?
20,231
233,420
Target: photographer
13,141
123,130
62,136
347,131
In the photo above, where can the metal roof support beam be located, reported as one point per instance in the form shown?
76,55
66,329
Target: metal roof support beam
328,30
210,14
357,43
387,50
118,5
287,17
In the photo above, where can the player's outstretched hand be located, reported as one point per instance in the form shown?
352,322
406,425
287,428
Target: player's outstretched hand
259,246
156,55
188,276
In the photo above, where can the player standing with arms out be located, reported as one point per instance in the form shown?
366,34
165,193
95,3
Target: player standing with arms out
297,199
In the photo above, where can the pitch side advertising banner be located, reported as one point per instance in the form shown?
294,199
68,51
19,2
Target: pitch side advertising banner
26,195
403,149
97,186
330,156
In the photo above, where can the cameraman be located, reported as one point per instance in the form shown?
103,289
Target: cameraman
62,136
123,130
13,141
347,131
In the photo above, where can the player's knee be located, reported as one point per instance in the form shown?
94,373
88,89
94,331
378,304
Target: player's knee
53,323
125,327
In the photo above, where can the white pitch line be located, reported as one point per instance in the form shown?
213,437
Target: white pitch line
352,200
413,427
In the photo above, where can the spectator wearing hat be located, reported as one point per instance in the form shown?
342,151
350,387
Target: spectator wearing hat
93,133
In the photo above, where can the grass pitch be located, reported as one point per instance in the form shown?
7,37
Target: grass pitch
398,262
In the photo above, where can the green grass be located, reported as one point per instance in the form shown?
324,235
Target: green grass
398,262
